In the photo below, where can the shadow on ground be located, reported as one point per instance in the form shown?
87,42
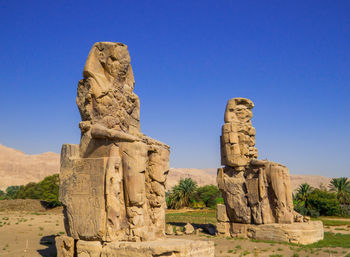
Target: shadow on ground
49,242
209,229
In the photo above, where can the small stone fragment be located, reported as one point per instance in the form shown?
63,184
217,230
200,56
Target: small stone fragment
189,229
306,218
64,246
169,230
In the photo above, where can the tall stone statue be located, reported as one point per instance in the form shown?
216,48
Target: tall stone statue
254,191
112,185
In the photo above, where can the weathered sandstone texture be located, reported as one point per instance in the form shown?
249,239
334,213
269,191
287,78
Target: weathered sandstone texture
255,192
112,185
64,246
157,248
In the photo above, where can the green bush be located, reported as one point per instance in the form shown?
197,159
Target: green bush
187,194
12,191
326,203
315,202
46,190
208,195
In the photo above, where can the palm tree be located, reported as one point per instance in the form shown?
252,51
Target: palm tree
303,193
181,194
342,187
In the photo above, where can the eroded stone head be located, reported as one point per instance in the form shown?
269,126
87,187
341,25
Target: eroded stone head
105,98
238,134
239,110
108,62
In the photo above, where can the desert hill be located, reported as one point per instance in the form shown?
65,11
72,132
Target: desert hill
208,176
18,168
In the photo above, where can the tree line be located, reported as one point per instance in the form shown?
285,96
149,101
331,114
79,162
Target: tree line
46,190
323,201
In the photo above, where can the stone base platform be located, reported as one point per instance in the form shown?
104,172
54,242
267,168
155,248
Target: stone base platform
298,233
158,248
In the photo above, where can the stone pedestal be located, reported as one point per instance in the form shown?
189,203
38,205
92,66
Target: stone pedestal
157,248
297,233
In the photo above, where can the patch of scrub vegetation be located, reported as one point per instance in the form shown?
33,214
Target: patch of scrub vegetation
331,222
193,216
332,240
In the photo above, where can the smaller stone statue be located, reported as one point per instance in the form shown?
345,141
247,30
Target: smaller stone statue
255,191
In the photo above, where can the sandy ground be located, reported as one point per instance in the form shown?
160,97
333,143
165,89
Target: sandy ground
29,234
32,234
244,247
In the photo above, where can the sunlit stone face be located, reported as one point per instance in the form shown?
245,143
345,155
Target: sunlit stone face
243,114
239,113
115,61
113,66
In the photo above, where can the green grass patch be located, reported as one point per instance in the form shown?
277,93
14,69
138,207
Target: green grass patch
331,240
331,222
198,217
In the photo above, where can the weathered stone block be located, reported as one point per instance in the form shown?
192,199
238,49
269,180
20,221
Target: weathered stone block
221,214
82,192
160,248
64,246
223,228
89,248
298,233
238,230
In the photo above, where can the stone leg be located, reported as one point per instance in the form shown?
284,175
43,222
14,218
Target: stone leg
134,160
233,189
278,178
157,170
115,205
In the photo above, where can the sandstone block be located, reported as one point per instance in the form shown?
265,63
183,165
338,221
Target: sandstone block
82,194
223,228
169,230
89,248
238,230
64,246
160,248
298,233
221,214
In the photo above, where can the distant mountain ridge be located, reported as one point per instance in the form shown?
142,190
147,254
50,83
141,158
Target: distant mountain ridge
18,168
208,176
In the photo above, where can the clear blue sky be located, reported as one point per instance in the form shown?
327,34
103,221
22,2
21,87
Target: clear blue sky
292,58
